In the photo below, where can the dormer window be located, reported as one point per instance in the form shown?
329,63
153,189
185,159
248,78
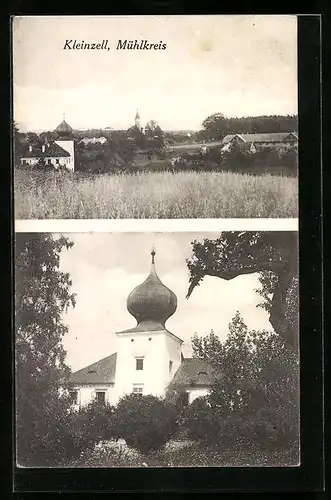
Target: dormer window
202,373
139,363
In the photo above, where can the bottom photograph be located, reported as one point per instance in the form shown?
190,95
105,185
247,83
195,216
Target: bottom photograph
157,349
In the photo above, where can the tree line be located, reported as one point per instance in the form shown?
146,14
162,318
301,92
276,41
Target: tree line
217,126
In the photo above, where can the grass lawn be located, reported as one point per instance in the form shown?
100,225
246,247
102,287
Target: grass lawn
187,454
157,195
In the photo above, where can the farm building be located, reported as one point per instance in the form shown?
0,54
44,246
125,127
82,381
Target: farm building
59,153
260,140
149,357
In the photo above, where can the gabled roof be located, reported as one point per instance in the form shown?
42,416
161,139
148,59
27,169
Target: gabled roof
101,372
244,146
272,137
52,150
193,372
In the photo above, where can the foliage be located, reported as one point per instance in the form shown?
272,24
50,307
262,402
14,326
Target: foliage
42,293
18,143
255,399
234,254
93,423
145,422
216,126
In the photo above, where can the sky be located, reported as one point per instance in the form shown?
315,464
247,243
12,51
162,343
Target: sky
236,65
105,267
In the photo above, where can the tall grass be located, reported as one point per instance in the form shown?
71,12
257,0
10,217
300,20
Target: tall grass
154,195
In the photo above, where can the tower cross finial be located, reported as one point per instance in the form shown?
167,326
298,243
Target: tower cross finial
153,255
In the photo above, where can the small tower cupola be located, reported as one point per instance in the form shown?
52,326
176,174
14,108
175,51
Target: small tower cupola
152,302
63,130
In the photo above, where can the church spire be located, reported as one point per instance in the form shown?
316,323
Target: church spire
153,255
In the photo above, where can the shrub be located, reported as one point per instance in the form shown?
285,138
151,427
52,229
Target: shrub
93,423
146,423
200,422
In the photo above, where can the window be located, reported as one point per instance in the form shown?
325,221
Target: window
170,367
101,397
139,363
138,389
74,397
49,161
57,161
184,399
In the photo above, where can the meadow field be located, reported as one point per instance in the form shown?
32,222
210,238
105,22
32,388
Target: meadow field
157,195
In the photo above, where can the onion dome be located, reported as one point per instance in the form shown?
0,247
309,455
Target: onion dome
152,302
63,130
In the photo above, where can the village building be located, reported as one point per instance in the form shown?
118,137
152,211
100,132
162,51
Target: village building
93,140
278,140
149,357
58,153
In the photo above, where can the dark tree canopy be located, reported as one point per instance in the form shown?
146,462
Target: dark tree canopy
42,294
216,126
237,253
255,395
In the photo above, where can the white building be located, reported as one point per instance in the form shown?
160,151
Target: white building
94,140
59,153
149,359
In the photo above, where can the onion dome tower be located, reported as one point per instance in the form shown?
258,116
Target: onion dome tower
151,303
63,130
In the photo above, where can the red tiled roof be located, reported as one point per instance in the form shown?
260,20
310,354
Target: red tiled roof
101,372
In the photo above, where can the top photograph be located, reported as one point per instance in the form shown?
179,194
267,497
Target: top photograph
155,117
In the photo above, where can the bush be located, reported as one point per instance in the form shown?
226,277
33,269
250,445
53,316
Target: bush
146,423
94,423
200,422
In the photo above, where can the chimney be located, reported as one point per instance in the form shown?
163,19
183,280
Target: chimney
30,148
43,148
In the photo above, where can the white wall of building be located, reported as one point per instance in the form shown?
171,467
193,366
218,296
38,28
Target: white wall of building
156,348
196,392
87,393
68,146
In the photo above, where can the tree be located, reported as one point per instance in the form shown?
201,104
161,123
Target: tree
145,422
215,126
136,136
18,143
255,398
42,294
237,253
154,135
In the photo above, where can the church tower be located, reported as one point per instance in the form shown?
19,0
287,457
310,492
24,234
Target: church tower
148,355
137,120
66,142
